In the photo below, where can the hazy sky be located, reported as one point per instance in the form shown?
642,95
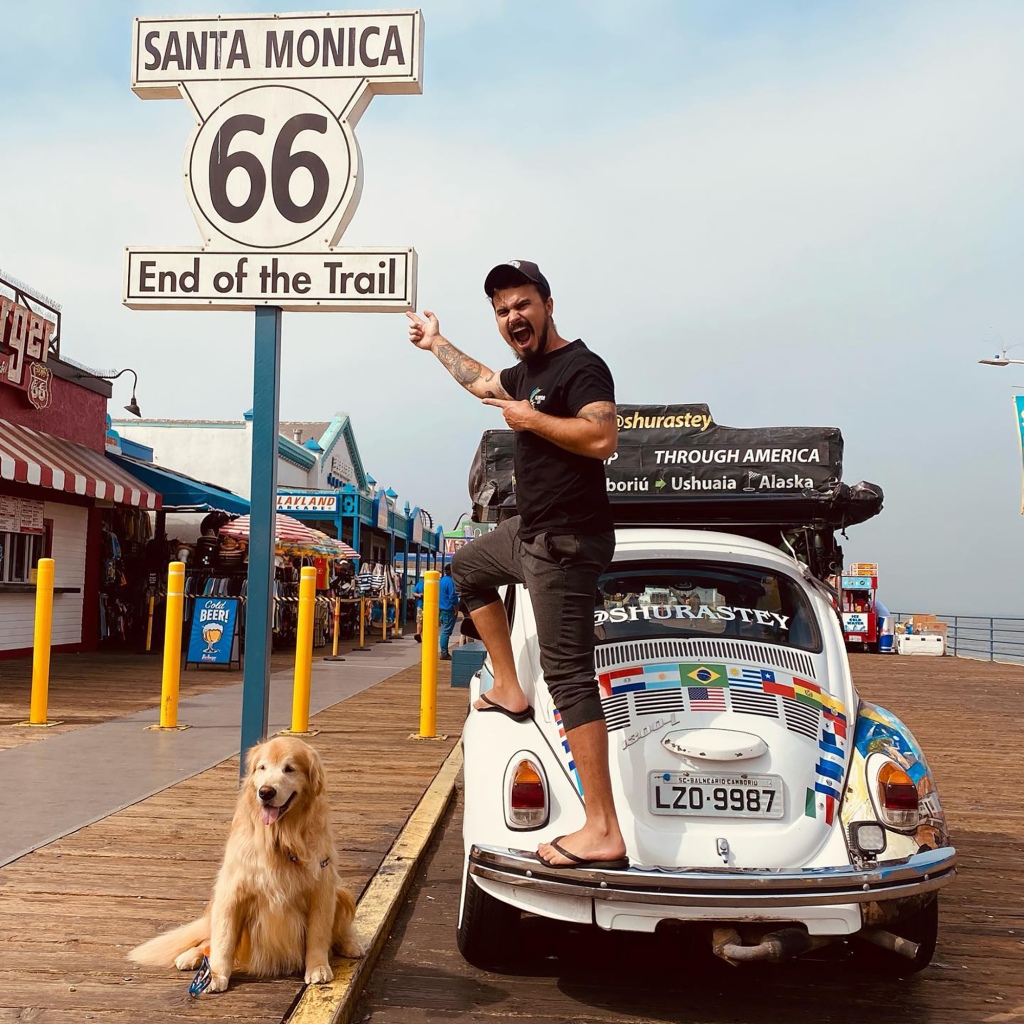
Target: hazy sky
798,213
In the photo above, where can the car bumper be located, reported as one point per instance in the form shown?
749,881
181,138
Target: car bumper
728,889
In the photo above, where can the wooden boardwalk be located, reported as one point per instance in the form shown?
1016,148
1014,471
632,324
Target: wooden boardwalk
968,717
70,911
89,688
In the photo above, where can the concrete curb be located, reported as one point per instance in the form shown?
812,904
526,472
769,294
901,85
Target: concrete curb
335,1002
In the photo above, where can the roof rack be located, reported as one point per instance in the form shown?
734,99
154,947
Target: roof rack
676,466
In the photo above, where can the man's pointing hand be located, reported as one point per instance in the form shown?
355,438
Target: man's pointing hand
423,332
518,415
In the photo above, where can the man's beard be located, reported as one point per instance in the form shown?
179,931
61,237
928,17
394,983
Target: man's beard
542,344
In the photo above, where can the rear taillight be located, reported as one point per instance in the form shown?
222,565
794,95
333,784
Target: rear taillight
898,802
527,796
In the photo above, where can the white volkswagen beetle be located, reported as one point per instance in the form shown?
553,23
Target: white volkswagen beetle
760,798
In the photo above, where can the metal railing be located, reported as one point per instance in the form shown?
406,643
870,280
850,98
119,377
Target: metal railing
990,638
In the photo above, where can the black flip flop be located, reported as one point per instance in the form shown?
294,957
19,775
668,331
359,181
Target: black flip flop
620,864
517,716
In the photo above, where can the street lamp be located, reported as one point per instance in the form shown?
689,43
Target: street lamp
1000,360
132,406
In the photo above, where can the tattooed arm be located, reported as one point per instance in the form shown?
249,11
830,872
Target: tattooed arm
592,432
476,378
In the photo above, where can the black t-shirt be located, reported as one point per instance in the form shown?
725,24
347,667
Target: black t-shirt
558,491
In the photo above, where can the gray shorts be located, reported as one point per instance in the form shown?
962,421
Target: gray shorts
560,572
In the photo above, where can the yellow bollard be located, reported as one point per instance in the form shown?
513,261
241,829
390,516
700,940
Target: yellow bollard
428,668
397,630
149,625
172,647
334,656
362,626
303,651
41,646
384,619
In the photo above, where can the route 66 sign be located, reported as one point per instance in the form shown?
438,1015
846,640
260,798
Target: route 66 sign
272,171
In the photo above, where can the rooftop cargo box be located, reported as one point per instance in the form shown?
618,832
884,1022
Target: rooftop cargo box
675,465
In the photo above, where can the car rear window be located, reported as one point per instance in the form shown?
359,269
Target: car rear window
704,599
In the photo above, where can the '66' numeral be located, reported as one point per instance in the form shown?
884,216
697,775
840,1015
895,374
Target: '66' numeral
283,165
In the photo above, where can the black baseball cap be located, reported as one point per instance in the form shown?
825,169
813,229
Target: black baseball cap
516,272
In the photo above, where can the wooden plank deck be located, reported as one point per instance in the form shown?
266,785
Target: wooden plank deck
966,714
89,688
70,911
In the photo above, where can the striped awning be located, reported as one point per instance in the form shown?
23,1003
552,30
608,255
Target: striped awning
294,538
41,460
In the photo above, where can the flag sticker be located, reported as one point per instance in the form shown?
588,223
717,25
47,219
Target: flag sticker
744,678
771,686
704,699
703,675
573,774
622,680
661,676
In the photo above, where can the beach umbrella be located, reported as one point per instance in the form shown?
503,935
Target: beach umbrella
294,538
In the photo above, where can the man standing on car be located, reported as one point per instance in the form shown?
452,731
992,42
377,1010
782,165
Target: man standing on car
560,401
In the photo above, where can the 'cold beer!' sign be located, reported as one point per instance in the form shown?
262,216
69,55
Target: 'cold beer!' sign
273,171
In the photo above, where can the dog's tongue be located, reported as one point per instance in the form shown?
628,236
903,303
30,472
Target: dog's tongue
268,815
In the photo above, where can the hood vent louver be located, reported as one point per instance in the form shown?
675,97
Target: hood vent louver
613,654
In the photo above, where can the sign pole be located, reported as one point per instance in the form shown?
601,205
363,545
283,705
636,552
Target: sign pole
272,129
259,621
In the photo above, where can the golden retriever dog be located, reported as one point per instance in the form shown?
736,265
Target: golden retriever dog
278,906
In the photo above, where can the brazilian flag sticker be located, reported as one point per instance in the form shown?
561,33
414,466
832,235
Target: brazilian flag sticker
703,675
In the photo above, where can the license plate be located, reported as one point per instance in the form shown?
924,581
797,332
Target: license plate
713,795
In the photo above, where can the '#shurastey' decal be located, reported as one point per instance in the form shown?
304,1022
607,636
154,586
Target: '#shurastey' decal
717,613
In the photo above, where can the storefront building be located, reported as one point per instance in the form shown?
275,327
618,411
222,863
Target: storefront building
58,492
321,481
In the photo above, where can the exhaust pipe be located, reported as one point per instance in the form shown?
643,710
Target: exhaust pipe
773,947
894,943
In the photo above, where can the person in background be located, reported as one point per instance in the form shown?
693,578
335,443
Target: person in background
448,603
417,592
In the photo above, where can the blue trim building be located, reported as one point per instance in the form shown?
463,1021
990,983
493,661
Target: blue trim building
321,481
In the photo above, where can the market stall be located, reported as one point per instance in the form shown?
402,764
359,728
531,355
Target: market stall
295,545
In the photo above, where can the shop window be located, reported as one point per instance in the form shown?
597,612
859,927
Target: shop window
19,555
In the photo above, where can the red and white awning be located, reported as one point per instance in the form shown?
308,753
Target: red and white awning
41,460
293,537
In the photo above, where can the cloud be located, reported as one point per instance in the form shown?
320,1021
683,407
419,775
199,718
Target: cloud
810,221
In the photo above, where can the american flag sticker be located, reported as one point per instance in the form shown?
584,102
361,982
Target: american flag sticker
704,699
